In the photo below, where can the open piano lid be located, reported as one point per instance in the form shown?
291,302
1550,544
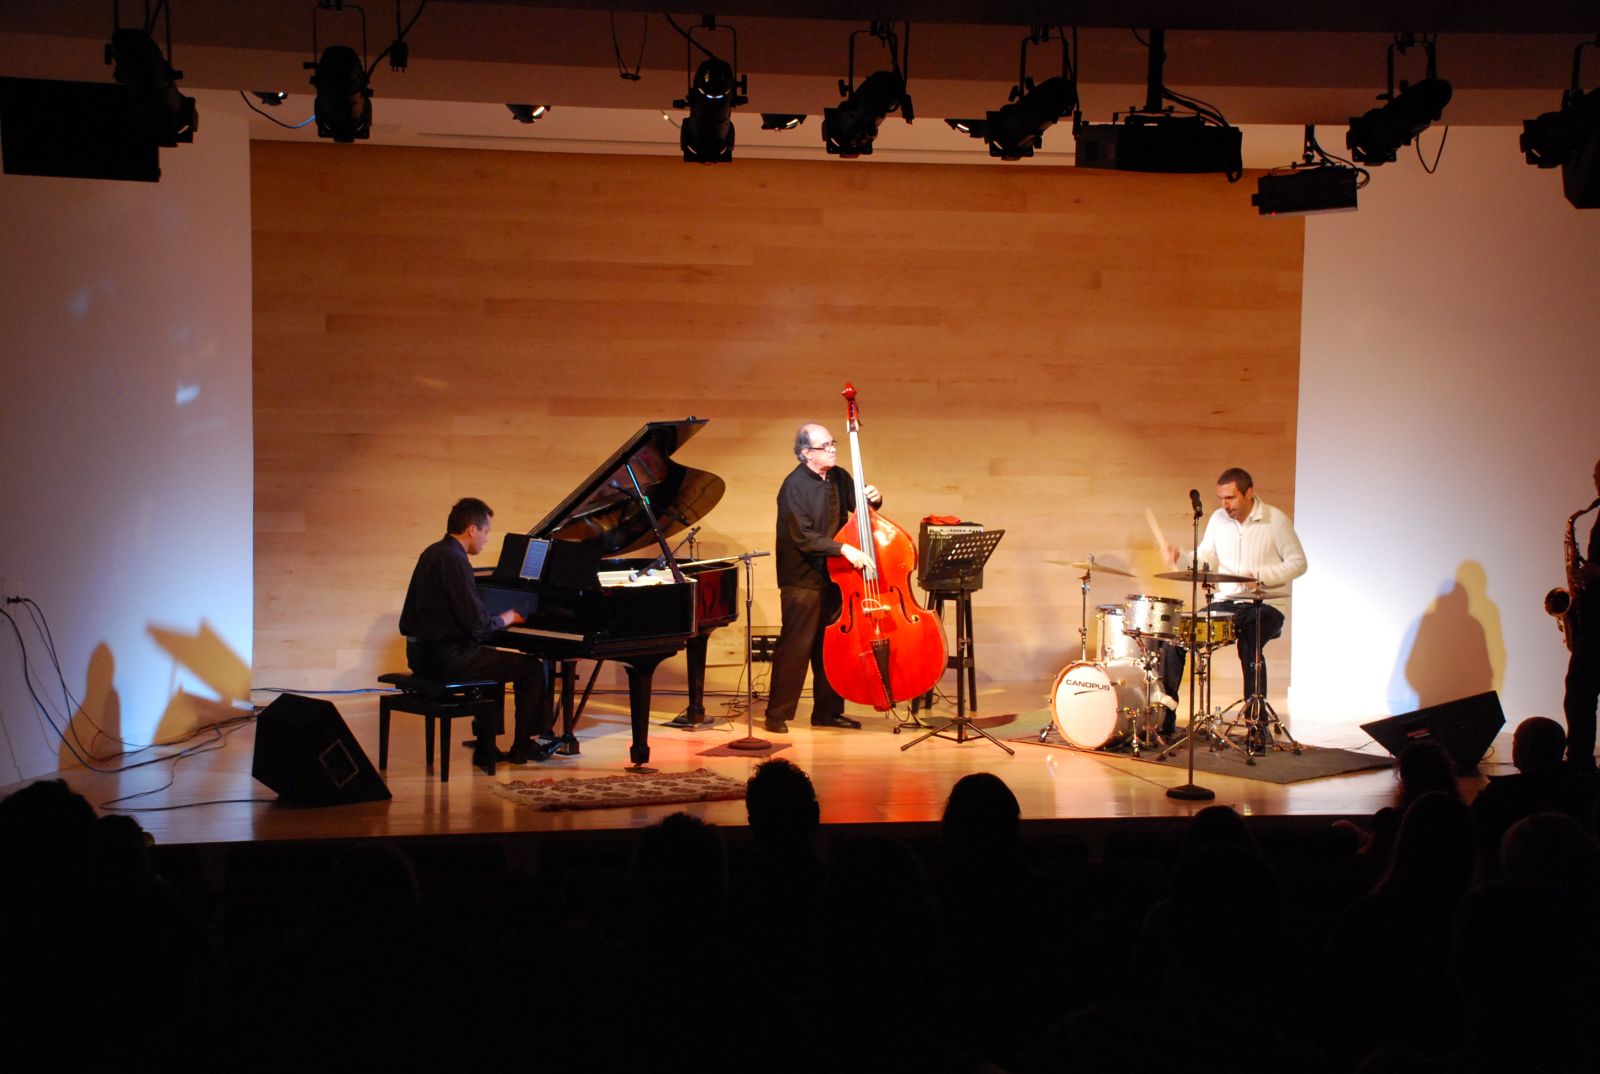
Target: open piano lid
602,510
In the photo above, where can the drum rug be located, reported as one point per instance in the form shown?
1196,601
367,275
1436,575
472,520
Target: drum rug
626,789
1278,766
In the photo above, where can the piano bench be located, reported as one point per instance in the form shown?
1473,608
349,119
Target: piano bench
439,701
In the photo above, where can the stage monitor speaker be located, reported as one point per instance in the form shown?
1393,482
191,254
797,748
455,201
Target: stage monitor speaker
1464,727
306,753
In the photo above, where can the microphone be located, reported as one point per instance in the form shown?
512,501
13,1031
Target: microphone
1194,501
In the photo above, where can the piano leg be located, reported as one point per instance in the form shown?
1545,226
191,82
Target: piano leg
641,671
694,717
569,708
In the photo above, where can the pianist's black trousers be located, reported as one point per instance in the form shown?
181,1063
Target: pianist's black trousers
806,614
525,673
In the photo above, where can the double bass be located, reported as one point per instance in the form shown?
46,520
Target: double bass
884,647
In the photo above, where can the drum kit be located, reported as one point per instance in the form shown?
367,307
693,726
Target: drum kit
1111,699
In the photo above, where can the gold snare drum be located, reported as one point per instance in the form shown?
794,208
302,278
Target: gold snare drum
1206,630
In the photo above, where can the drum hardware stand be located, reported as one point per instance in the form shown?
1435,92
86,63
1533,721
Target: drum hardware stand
749,742
1192,791
961,558
1255,711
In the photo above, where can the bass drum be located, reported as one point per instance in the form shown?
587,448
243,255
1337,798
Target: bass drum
1097,706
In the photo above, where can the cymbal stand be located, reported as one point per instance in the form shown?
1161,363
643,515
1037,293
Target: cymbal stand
1255,711
1192,791
1083,613
750,741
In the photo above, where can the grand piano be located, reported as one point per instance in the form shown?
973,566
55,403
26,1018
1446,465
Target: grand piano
581,600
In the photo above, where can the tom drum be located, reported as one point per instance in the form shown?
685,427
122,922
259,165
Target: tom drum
1152,617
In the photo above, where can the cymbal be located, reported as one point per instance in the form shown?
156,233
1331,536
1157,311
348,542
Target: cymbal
1203,577
1084,565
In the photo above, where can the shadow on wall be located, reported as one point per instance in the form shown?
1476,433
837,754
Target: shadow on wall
96,725
211,660
1456,649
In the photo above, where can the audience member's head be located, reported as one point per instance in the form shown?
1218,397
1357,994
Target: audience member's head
373,879
782,804
1537,745
1423,768
1551,852
681,863
981,819
1219,825
1435,852
47,834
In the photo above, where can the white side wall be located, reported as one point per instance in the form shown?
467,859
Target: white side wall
1450,375
126,440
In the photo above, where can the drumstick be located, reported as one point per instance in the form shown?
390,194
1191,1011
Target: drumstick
1155,530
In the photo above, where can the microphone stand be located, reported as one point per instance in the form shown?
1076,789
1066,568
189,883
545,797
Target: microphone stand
750,741
1191,791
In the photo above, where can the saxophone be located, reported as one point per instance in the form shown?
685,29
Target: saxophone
1564,603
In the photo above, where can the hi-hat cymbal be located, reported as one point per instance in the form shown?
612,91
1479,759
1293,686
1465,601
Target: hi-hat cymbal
1203,577
1084,565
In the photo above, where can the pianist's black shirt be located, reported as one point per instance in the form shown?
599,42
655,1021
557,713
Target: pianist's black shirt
442,609
811,510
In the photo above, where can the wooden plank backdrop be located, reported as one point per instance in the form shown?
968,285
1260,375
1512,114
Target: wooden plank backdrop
1046,351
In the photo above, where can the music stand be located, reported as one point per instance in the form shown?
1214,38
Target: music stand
960,559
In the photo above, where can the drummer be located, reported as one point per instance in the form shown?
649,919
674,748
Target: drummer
1248,537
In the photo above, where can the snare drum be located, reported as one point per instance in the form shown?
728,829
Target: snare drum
1096,706
1152,617
1206,630
1114,641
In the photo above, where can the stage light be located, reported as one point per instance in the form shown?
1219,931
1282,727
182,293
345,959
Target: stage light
706,136
1569,139
780,121
1317,183
165,115
1154,138
270,98
1016,129
850,128
1377,136
344,100
715,89
527,113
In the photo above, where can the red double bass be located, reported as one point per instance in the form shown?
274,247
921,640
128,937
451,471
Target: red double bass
885,647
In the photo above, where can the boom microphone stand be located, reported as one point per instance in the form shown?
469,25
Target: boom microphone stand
1192,791
749,741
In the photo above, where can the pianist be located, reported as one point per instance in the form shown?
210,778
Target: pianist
445,625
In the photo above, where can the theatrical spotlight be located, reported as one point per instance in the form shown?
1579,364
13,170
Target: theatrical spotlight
527,113
1156,139
166,116
1317,183
1377,136
344,100
1017,128
270,98
850,128
780,121
706,134
1570,139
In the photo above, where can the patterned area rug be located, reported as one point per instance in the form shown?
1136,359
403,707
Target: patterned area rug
627,789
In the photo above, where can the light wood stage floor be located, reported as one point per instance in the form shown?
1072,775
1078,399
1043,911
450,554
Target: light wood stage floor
862,778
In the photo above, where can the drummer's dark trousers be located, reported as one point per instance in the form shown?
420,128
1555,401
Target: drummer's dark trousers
1251,641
